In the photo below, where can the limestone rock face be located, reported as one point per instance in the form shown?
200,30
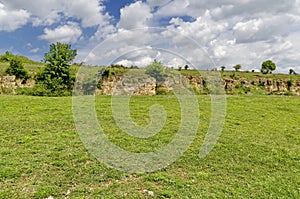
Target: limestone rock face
278,86
132,83
9,84
136,82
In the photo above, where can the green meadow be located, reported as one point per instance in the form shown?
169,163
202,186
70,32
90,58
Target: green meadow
256,156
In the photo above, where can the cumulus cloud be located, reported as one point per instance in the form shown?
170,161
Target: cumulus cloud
135,15
91,13
68,33
203,29
35,50
228,31
48,12
11,19
265,28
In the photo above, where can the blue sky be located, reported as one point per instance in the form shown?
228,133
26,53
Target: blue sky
204,33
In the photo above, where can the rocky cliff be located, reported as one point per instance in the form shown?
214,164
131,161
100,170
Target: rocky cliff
9,84
145,85
138,83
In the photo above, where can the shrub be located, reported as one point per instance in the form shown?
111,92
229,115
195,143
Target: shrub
156,70
17,69
161,91
289,84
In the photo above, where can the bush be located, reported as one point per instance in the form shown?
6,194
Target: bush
289,84
156,70
17,69
161,91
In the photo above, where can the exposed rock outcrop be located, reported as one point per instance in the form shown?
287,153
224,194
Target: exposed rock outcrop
136,82
9,84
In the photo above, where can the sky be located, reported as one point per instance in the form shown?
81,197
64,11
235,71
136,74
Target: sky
202,33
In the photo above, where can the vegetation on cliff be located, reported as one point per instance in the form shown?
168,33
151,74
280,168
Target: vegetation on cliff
55,76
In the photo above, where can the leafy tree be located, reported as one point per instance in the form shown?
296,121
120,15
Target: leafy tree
186,67
56,75
292,72
268,66
223,68
237,67
156,70
17,69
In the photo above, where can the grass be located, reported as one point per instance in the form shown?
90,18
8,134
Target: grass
257,155
246,75
32,68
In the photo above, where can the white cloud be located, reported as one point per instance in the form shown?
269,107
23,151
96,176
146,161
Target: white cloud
203,29
102,32
90,13
35,50
231,32
11,20
49,12
265,28
135,15
68,33
158,3
47,20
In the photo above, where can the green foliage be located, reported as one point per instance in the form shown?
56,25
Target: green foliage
89,86
289,84
156,70
237,67
223,68
161,91
186,67
268,66
6,57
56,76
17,69
292,72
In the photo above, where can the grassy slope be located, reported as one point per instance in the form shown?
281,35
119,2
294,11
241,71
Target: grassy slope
247,75
256,156
31,67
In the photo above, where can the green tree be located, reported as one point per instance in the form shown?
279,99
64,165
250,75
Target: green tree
268,66
223,68
156,70
17,69
56,75
292,72
237,67
186,67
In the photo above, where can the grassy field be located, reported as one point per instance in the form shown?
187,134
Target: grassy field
257,155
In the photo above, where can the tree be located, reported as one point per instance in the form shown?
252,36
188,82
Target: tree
156,70
268,66
17,69
186,67
292,72
223,68
56,75
237,67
